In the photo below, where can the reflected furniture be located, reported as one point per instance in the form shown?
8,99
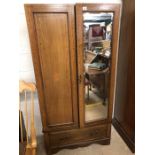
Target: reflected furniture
57,42
88,85
98,79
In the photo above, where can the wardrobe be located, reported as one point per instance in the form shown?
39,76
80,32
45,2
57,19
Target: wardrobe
74,51
124,111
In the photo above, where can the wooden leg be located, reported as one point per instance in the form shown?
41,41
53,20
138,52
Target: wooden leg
90,88
88,91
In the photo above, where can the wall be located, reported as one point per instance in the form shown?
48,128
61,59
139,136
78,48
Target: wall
26,71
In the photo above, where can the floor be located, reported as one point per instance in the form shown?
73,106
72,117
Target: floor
95,109
117,146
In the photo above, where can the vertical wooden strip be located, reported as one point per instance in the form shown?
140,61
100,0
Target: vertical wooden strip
32,130
32,108
79,24
26,113
20,119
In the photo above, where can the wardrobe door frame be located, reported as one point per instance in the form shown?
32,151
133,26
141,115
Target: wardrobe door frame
87,7
30,9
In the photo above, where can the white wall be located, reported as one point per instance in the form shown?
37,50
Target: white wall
26,71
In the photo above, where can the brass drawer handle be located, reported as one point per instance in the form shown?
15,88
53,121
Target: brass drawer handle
94,133
64,138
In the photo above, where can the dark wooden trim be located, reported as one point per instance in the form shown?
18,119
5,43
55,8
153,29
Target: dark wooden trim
59,127
124,111
123,134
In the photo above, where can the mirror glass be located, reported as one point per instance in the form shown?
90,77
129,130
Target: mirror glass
97,30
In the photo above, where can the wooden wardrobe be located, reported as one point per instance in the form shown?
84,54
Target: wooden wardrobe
57,43
124,111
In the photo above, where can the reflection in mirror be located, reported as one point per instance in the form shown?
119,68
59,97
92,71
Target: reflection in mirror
97,54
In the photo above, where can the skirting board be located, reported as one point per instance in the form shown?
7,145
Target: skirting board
123,134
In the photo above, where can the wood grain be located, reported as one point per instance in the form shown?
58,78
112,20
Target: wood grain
52,34
55,62
124,114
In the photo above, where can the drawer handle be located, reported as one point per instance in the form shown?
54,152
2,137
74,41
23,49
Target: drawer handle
64,138
94,133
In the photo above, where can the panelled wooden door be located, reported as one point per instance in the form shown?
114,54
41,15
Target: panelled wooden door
51,30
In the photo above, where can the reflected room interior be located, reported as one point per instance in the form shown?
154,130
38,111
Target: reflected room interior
97,29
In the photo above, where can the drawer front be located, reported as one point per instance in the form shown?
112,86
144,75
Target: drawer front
77,136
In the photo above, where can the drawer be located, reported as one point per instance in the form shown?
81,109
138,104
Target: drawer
77,135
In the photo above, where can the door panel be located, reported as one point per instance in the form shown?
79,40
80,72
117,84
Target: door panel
52,34
52,37
97,40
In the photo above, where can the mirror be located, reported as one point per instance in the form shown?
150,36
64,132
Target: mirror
97,30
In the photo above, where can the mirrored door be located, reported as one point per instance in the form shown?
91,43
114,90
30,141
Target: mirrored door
97,29
97,35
